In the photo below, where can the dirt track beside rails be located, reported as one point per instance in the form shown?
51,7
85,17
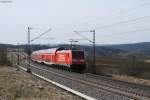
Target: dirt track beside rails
18,85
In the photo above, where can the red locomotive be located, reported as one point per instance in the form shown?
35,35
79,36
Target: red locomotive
72,59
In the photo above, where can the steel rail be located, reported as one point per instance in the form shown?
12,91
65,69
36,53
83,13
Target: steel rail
128,94
138,95
61,86
119,88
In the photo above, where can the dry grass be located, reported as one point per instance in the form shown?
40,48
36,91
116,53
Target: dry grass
132,79
18,85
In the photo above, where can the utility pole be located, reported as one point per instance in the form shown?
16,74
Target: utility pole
93,42
29,51
18,60
29,46
94,64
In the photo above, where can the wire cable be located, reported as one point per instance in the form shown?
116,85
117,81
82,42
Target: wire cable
118,13
83,36
41,35
122,22
132,31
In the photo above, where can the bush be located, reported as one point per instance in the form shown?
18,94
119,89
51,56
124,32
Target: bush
3,57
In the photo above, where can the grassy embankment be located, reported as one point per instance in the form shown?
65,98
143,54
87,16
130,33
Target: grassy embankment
18,85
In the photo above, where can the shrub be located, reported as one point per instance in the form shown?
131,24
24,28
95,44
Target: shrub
3,57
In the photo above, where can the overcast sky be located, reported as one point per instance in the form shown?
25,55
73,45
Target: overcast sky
66,16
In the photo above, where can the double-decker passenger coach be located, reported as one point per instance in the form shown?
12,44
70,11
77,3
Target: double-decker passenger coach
72,59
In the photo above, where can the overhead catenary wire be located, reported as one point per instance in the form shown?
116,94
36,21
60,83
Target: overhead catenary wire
122,22
131,31
84,37
112,25
111,15
94,48
118,13
6,1
46,38
75,39
41,35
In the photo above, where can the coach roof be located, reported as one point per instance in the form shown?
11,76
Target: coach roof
52,50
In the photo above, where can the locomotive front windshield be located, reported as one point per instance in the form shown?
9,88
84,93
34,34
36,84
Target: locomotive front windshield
77,54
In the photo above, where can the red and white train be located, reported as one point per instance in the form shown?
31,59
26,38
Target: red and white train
72,59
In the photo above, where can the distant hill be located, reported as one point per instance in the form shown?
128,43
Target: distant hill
143,48
100,50
106,50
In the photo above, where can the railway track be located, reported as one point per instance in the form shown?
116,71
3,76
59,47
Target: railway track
137,90
102,89
141,90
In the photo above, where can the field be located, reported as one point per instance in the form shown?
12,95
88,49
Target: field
132,79
19,85
121,65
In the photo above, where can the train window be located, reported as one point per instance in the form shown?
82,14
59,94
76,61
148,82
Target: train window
77,54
